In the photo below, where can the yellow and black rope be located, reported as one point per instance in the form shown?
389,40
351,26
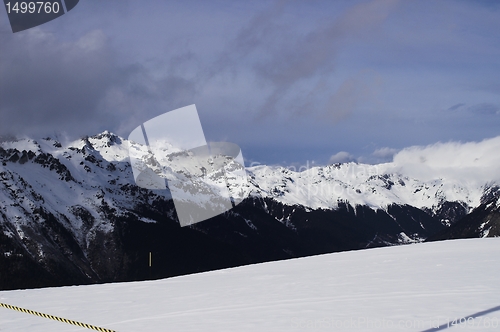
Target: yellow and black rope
59,319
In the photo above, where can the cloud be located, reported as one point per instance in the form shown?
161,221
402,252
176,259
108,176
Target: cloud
350,95
455,107
298,67
471,161
385,153
379,156
341,157
485,109
140,96
51,86
294,65
48,82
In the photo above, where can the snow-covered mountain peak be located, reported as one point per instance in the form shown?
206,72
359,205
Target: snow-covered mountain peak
376,186
423,177
25,144
78,203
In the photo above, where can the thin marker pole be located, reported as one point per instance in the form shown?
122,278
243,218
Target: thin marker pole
150,265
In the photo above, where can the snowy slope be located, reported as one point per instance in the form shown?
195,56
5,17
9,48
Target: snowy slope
423,177
88,174
62,179
376,186
58,205
404,181
407,288
413,178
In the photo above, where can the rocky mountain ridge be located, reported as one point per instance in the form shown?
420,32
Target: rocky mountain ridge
73,214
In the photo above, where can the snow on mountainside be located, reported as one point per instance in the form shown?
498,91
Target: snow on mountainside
483,221
74,214
65,180
59,206
376,186
448,285
413,178
423,177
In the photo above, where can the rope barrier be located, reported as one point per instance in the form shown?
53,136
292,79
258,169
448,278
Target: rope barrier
59,319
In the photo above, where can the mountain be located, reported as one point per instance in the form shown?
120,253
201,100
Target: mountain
440,286
483,221
72,214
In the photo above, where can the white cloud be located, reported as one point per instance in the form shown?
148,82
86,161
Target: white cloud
341,157
471,161
384,153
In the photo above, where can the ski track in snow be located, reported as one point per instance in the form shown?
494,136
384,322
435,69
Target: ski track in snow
406,288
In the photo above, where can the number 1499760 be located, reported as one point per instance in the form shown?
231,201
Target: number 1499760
33,7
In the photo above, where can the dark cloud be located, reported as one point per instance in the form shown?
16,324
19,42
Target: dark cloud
140,96
351,93
294,63
455,107
485,109
48,86
286,80
45,82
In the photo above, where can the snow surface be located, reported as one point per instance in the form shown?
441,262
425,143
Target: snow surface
376,186
414,287
420,176
423,177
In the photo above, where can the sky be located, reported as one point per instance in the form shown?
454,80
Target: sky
290,82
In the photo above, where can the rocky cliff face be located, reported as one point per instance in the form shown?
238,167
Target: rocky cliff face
72,214
483,221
